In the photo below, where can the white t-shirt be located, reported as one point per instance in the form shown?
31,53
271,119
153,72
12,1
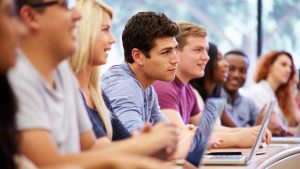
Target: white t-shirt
60,111
262,93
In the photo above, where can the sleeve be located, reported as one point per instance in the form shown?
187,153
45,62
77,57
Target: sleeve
167,96
126,100
119,131
206,125
156,114
31,106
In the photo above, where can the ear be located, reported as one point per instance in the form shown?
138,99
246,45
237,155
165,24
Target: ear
137,56
29,17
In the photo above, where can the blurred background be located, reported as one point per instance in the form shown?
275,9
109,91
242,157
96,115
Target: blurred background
232,24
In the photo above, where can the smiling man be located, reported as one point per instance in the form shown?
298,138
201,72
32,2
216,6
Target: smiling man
242,109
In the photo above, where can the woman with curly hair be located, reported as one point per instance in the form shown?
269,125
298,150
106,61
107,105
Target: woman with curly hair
275,77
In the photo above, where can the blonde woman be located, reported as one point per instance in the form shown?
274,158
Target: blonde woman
95,40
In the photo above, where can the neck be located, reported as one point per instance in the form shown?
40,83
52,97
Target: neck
42,59
183,78
273,83
209,86
83,77
140,76
232,94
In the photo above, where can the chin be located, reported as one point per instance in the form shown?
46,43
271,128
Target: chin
168,79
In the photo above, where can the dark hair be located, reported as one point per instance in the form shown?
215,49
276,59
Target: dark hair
237,52
21,3
8,132
142,29
199,83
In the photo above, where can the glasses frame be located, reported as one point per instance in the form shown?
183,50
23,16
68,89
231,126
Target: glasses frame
68,4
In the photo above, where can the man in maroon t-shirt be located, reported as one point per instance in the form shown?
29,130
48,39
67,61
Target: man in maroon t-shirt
177,99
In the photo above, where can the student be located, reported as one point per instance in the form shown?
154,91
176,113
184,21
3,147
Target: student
94,41
275,78
150,54
11,30
53,125
209,86
242,109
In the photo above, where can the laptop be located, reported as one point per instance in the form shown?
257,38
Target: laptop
240,159
285,140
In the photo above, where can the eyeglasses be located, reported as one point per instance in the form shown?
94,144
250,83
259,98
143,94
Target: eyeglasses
68,4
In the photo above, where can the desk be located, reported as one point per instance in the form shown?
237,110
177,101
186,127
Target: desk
258,160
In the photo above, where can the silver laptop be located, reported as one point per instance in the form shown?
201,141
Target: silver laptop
242,159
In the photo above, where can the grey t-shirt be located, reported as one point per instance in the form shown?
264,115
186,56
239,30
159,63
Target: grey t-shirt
59,111
131,103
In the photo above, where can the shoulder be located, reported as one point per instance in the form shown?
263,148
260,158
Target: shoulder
163,87
119,77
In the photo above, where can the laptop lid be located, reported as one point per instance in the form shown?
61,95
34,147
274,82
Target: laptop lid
263,128
241,158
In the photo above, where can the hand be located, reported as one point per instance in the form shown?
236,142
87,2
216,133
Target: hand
279,130
161,137
186,139
250,133
214,142
267,137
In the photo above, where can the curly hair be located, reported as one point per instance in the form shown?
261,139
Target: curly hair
284,93
143,29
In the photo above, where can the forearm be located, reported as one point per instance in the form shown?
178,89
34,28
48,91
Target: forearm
132,145
227,120
228,139
226,129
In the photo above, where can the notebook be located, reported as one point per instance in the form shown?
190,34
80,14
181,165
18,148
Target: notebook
242,159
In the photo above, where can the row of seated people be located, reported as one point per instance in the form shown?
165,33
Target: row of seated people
51,118
275,77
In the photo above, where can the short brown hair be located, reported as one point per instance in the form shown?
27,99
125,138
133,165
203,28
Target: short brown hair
143,28
189,29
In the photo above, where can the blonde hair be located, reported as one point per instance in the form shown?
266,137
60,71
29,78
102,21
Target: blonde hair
92,13
188,29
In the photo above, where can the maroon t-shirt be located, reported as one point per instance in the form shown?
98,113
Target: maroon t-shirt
177,96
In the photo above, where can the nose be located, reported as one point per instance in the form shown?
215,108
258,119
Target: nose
205,57
175,58
76,15
112,39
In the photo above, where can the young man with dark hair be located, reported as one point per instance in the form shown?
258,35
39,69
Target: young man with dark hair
150,54
241,108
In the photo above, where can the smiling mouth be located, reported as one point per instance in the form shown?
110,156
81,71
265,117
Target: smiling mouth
172,69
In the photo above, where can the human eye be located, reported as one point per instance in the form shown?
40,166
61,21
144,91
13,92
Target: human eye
166,52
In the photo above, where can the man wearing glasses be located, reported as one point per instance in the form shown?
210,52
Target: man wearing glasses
52,122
